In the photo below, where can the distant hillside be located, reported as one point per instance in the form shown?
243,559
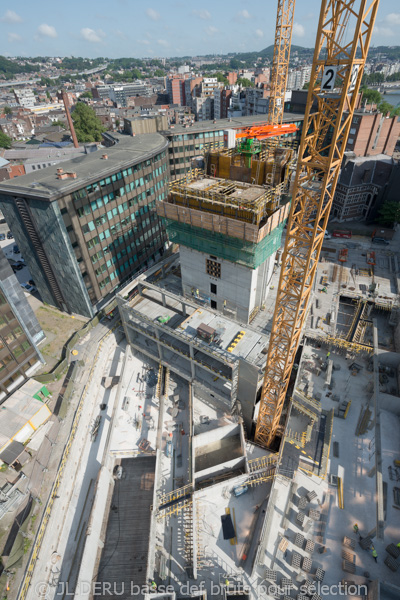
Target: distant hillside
269,52
8,68
392,52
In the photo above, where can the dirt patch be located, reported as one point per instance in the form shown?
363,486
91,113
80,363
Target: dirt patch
58,328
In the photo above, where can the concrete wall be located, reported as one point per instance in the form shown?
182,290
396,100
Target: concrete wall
264,275
216,470
389,403
238,285
203,439
247,391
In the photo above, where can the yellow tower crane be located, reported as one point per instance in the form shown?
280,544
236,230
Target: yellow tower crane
343,39
280,62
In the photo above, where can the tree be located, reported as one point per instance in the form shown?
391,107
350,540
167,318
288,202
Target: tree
372,96
87,94
221,78
159,73
7,110
389,213
60,124
136,74
88,127
245,82
46,82
117,123
5,141
306,85
385,108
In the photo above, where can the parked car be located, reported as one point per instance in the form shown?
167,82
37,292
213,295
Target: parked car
10,235
2,236
379,240
16,250
327,235
17,266
29,288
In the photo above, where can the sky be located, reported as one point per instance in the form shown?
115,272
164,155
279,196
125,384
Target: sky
161,28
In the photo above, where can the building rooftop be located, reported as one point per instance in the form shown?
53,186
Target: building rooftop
19,409
232,123
91,167
248,342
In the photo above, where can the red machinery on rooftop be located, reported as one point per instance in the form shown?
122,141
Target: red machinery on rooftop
262,132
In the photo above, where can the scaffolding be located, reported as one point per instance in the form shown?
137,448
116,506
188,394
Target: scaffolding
261,162
217,223
229,248
234,199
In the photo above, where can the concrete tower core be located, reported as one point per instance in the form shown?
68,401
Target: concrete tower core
228,232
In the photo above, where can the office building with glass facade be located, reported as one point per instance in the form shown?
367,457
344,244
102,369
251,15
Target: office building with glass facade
89,226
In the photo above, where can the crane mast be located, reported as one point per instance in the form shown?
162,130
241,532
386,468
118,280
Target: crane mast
280,62
335,80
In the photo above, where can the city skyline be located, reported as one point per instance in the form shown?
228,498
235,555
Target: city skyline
163,29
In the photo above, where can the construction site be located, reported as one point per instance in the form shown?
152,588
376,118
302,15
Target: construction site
251,441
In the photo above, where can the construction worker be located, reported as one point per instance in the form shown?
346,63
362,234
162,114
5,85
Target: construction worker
398,545
355,528
226,581
154,586
375,554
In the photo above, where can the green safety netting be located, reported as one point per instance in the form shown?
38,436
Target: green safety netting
223,246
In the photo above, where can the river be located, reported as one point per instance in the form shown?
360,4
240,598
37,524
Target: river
392,97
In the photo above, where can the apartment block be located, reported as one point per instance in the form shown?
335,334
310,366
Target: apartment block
208,85
25,97
120,93
257,101
372,134
203,107
298,77
88,226
176,90
190,86
232,77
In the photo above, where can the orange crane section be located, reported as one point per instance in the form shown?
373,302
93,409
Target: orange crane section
262,132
